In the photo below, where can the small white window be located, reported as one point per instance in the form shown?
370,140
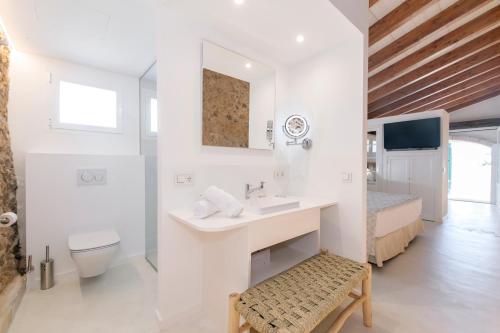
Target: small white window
153,115
87,108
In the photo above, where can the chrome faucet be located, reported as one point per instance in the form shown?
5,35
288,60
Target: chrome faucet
249,190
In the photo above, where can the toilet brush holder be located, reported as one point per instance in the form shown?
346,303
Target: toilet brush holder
46,271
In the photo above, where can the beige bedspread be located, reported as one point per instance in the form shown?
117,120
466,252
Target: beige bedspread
383,248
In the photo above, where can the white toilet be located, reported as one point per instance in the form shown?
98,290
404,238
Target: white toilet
93,252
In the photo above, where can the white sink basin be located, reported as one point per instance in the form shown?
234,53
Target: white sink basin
268,205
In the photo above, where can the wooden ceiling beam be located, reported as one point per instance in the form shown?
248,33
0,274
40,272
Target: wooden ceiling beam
460,52
481,22
372,2
473,98
446,16
456,99
473,101
479,82
396,18
390,93
473,72
464,95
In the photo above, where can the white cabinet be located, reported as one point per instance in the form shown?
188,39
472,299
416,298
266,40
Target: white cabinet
397,178
424,183
417,174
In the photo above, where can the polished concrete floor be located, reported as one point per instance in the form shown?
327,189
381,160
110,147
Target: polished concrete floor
123,301
448,280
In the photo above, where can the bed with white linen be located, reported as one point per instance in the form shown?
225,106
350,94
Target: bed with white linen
393,222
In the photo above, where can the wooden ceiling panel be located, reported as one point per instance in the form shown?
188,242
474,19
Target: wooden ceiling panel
395,19
490,18
451,101
425,78
450,94
453,12
473,101
390,93
480,70
473,95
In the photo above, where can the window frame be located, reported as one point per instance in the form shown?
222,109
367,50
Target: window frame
55,123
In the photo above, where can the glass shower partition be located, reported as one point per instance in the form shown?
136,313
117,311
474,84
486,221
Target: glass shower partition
149,131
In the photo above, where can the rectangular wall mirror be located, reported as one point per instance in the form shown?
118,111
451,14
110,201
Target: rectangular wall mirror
238,100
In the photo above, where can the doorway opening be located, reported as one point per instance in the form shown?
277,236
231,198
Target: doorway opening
470,171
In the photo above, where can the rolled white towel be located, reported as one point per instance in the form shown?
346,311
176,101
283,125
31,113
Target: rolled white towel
225,202
204,208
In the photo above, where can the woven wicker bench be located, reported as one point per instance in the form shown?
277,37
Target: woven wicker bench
297,300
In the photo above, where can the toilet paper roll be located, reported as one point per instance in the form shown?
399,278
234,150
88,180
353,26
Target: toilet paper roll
7,219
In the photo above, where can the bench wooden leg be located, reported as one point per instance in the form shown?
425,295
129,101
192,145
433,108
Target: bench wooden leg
234,316
367,304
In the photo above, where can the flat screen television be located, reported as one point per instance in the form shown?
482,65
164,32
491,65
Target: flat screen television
413,134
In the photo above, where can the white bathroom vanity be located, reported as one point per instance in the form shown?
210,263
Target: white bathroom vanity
291,235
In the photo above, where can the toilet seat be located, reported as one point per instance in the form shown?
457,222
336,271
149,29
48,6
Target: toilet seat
95,248
93,241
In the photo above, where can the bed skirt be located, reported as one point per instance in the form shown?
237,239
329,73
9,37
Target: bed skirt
396,242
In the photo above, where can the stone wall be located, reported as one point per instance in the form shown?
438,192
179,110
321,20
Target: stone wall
226,110
9,249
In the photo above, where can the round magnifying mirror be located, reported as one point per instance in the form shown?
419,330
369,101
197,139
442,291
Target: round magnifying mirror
296,127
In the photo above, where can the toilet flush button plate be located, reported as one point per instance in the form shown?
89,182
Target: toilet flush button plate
86,177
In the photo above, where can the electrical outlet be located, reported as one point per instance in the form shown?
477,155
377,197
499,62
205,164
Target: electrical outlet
184,179
279,173
347,177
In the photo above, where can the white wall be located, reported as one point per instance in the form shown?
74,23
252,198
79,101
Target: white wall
33,100
329,90
57,207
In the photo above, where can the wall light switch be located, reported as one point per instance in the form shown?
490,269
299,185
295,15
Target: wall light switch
91,176
184,179
347,177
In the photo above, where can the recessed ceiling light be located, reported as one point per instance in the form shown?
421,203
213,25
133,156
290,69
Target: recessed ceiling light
239,2
300,38
248,65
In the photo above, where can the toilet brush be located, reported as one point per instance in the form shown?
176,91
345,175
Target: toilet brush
46,271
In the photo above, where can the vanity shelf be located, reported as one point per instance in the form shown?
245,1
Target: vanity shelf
284,256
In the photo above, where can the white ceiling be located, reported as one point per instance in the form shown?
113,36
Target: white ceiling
271,26
116,35
119,35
